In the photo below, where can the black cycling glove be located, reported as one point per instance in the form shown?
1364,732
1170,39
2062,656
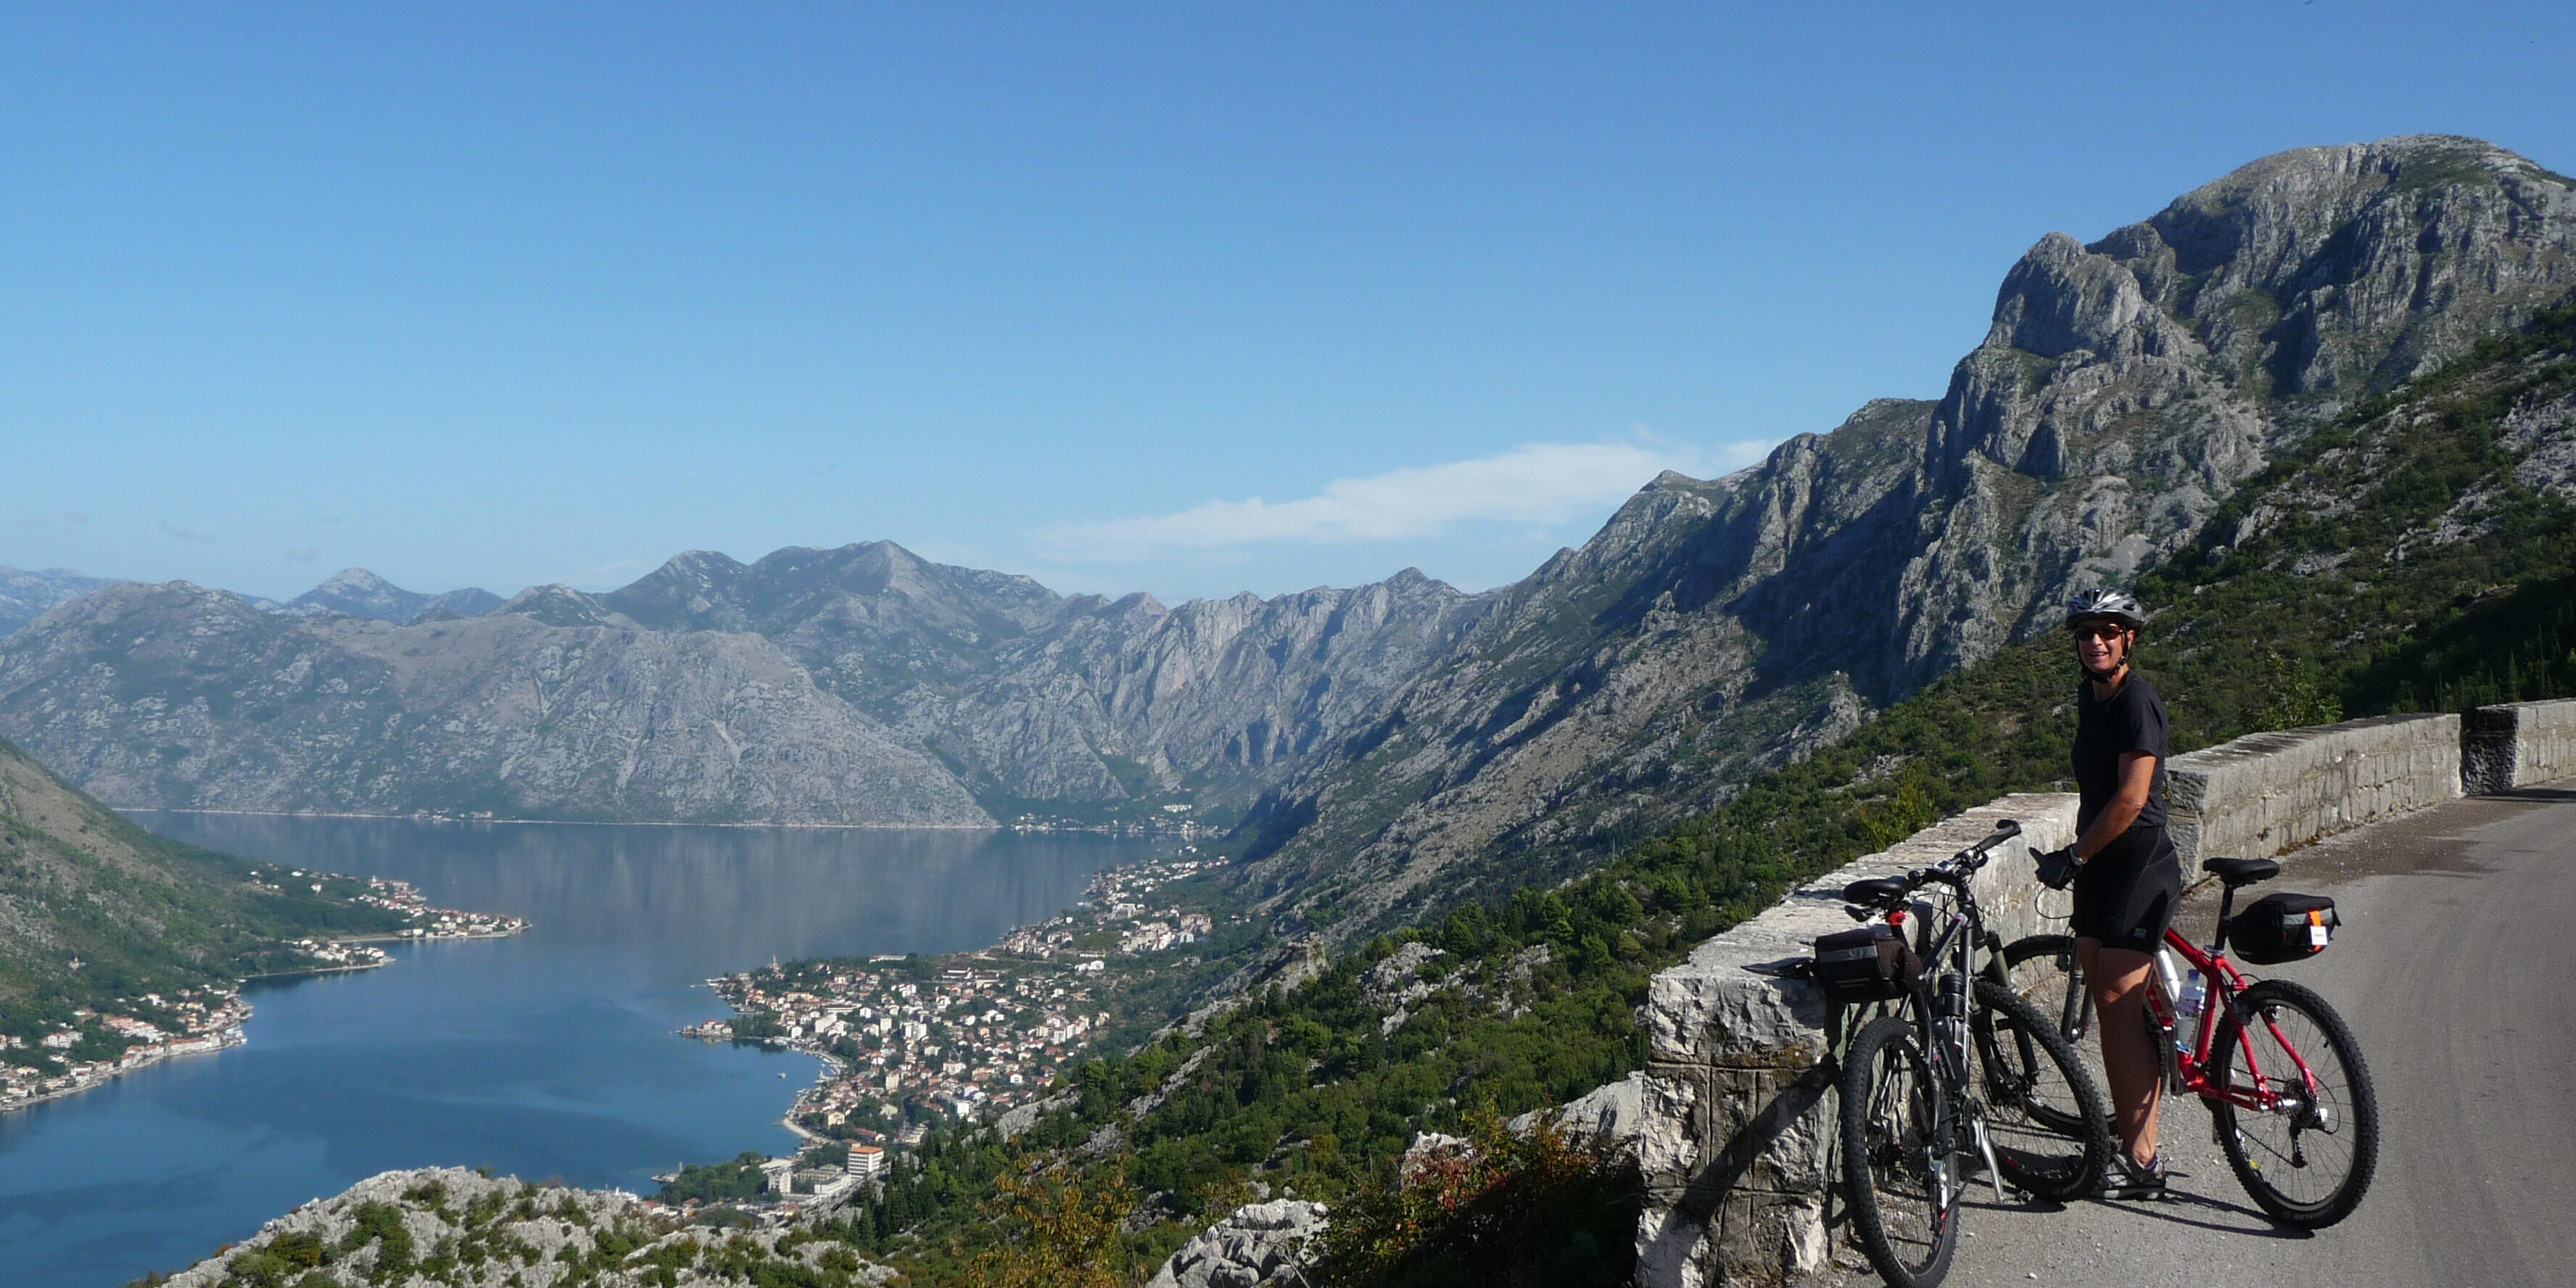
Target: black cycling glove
2057,867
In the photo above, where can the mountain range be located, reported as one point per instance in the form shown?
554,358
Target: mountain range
1393,745
24,596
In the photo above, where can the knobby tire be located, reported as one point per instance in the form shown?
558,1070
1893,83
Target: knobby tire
2045,1115
1900,1153
2262,1147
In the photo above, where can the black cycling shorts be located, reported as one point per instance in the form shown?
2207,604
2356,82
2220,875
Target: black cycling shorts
2126,895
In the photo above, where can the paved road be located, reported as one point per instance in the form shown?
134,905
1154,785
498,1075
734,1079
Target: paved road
2457,969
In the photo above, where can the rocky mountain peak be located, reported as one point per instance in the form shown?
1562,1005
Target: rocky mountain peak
356,581
2328,269
692,589
560,605
356,592
2251,306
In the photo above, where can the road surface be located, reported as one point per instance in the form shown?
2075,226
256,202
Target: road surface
2456,967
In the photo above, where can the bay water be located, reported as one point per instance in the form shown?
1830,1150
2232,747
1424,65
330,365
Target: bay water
547,1054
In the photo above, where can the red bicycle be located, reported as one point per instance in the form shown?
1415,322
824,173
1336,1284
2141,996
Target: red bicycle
2289,1096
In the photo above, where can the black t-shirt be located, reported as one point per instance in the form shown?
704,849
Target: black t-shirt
2131,719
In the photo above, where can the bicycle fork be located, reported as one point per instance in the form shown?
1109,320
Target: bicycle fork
1953,1030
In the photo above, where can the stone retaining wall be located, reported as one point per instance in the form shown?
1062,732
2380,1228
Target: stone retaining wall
2267,793
2516,745
1737,1112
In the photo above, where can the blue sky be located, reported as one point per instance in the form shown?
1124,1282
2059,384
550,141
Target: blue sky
1190,299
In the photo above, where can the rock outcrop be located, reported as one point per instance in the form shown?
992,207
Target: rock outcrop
451,1227
1604,1120
1260,1243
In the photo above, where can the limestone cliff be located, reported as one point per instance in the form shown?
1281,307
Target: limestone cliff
2123,391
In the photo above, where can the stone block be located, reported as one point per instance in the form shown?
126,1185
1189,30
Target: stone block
1673,1141
1754,1237
1693,1112
2517,745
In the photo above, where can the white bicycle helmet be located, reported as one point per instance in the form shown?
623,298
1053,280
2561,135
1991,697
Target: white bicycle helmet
2103,601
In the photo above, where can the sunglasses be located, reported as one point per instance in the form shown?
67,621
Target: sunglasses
2097,630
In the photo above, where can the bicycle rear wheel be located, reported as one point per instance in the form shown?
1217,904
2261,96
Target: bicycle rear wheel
1902,1168
2308,1165
2045,1114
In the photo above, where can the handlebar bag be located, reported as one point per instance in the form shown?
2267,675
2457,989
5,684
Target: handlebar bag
2281,928
1871,964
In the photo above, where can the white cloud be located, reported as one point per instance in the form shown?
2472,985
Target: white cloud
1540,483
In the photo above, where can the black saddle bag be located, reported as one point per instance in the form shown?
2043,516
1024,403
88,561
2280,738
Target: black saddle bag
1871,964
2281,928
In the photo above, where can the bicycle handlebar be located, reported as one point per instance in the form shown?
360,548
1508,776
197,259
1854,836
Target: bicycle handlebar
1974,857
1954,870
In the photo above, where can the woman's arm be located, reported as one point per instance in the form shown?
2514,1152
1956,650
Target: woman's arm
2137,775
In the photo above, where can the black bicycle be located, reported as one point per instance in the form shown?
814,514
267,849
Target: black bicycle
1957,1069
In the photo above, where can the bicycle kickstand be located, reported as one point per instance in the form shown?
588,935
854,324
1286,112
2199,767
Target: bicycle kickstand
1994,1174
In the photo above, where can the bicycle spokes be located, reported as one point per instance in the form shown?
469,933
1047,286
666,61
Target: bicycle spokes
2294,1106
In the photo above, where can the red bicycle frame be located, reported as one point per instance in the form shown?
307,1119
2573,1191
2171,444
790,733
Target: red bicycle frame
2259,1091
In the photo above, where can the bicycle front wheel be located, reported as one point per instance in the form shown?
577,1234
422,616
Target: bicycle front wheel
2308,1162
1902,1168
2045,1114
2043,970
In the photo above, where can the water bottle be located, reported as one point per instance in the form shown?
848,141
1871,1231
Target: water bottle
2186,1028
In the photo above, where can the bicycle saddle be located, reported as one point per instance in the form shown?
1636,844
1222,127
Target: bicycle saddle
2238,872
1882,890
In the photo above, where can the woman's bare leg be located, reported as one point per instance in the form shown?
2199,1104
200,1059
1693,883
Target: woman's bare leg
2118,979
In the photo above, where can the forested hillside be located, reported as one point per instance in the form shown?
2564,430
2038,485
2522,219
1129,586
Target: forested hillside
95,911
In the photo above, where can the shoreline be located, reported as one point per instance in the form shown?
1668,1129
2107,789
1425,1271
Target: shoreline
224,1040
1101,828
233,1034
592,822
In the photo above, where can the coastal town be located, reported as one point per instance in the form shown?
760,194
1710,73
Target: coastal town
95,1046
91,1046
435,923
907,1040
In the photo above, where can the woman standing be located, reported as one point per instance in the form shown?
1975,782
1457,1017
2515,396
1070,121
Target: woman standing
2126,874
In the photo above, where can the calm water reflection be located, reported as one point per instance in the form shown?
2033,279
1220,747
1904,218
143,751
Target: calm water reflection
548,1054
